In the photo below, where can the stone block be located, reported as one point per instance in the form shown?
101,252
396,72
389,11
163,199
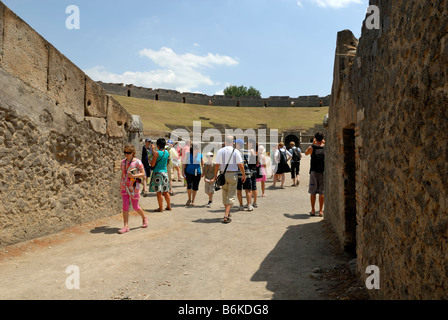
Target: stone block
66,83
98,124
118,119
25,52
96,100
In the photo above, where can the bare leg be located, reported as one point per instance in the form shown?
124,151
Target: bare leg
239,194
249,197
168,200
160,201
194,197
313,203
321,205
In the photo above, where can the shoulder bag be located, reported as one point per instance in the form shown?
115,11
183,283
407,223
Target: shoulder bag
221,179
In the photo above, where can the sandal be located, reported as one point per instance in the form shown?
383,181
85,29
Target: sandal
123,230
168,208
312,213
145,223
227,220
188,203
158,210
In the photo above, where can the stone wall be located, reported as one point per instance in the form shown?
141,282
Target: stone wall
215,100
342,119
60,136
395,97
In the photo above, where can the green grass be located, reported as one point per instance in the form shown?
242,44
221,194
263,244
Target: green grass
156,114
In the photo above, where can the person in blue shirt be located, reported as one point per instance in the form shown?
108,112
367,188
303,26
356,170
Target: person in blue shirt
192,170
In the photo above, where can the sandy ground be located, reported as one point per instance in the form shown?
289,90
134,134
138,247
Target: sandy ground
187,253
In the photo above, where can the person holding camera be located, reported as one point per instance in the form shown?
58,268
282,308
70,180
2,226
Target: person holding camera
131,177
317,172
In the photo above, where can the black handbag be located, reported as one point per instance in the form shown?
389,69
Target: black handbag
221,179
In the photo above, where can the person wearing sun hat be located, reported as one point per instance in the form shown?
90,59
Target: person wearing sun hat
132,173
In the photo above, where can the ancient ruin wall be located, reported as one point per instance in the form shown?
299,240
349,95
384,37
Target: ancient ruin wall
399,85
60,135
215,100
340,186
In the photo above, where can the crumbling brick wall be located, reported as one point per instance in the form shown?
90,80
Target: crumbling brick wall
60,136
398,84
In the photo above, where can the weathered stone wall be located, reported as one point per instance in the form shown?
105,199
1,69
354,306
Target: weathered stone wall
216,100
342,118
60,135
398,84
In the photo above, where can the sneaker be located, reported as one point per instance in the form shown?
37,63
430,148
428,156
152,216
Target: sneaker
209,204
255,205
250,208
241,208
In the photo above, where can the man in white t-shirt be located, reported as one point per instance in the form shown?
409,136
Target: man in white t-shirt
228,155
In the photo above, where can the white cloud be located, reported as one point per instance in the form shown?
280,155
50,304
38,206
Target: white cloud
221,92
180,72
331,3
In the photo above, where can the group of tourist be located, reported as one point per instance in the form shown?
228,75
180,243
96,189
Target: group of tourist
242,168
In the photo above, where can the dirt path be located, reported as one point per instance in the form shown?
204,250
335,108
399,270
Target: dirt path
188,253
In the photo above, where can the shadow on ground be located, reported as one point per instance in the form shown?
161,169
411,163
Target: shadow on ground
288,268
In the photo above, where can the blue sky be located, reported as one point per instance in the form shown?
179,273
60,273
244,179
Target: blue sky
280,47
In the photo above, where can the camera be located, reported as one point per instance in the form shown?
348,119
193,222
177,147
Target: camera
217,188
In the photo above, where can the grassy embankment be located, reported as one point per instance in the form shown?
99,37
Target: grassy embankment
156,114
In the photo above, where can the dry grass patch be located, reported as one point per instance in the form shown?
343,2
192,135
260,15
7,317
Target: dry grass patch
157,114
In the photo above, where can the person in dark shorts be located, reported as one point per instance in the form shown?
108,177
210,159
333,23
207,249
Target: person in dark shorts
192,170
317,176
295,163
247,184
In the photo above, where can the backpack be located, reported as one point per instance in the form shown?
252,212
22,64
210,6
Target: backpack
295,155
282,157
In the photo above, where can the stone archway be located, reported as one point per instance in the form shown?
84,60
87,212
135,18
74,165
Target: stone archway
294,138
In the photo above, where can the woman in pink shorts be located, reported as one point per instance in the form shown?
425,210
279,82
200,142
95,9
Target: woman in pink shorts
132,171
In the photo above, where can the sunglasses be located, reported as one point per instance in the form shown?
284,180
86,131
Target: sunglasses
127,152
